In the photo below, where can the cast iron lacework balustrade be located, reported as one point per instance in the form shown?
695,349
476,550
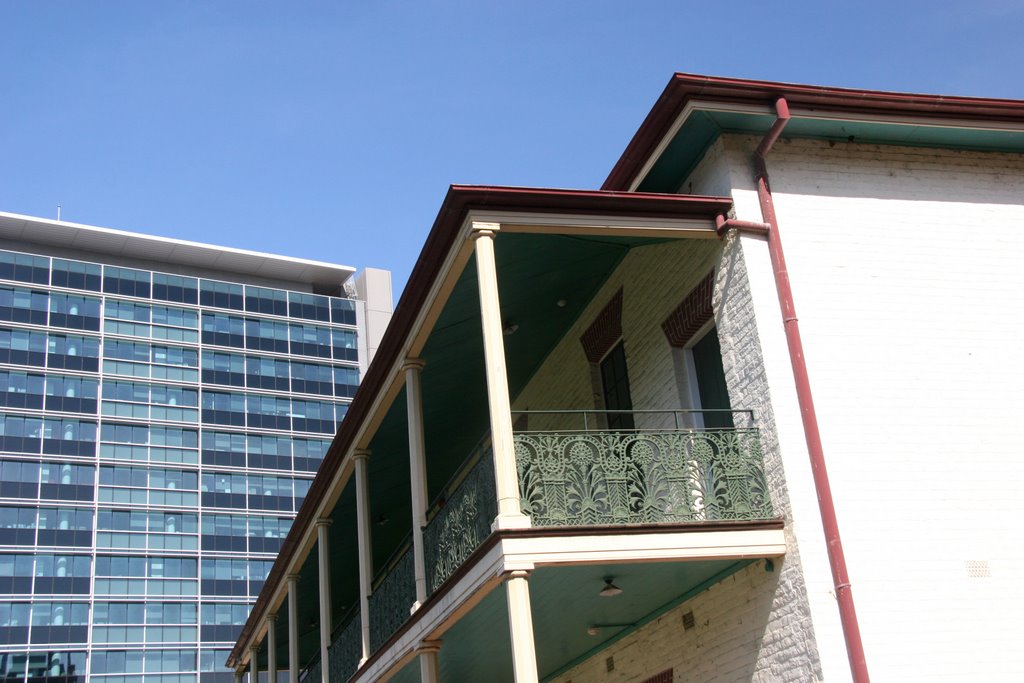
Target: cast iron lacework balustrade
393,598
346,650
463,519
573,478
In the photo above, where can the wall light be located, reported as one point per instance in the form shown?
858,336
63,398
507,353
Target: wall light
595,629
610,590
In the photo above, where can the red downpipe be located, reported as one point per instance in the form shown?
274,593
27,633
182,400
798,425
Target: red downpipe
837,559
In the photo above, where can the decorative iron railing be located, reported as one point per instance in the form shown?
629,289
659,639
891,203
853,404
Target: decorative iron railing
346,650
393,598
655,473
463,519
574,478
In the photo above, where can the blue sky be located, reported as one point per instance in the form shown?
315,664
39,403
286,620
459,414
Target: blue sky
332,130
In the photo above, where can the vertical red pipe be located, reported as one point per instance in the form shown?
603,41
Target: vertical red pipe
837,559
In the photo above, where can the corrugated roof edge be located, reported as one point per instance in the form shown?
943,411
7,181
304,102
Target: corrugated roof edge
459,200
682,87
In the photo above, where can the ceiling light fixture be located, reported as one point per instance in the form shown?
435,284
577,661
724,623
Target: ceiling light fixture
610,590
595,629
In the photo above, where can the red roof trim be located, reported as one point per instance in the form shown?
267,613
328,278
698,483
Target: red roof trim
683,87
457,203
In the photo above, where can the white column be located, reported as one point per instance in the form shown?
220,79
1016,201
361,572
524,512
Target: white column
430,672
271,648
324,555
520,625
293,628
254,674
510,516
362,463
239,675
417,472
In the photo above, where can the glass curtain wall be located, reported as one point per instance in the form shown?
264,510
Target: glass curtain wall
158,434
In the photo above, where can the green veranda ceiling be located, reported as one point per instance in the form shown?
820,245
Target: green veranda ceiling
565,605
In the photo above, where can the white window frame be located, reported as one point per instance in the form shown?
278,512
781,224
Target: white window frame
691,391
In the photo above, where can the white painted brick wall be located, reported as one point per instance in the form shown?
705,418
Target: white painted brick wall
726,645
654,280
713,175
748,384
736,319
907,275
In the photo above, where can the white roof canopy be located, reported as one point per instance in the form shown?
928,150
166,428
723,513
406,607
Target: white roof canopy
132,245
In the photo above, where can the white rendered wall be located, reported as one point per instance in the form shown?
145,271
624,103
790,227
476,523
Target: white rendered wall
907,267
373,286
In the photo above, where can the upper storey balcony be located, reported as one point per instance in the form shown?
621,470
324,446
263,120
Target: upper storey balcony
593,476
548,421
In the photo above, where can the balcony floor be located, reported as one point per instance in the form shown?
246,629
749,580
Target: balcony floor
565,604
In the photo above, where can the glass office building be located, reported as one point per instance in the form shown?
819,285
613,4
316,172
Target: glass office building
163,409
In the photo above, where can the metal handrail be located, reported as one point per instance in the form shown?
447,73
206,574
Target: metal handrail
349,614
304,674
392,560
460,474
675,412
463,522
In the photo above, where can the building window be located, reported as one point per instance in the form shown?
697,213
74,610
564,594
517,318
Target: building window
221,294
76,275
263,300
24,267
126,281
704,358
615,389
603,347
690,330
175,288
309,306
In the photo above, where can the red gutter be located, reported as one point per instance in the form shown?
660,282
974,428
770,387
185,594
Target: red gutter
685,87
826,506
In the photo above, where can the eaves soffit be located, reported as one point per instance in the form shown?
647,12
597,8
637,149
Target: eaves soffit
694,111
